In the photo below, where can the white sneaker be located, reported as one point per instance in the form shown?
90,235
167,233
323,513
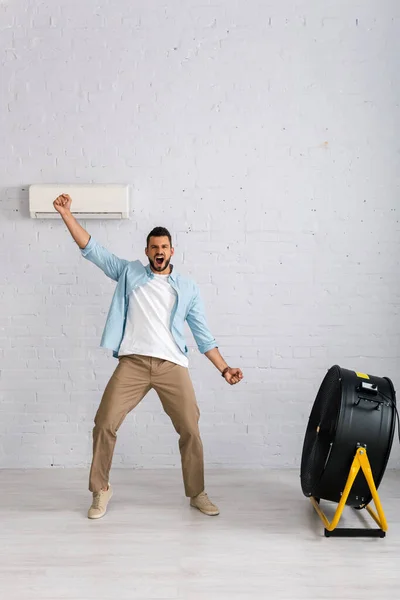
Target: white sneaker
99,504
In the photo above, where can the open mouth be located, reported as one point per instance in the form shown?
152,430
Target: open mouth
159,261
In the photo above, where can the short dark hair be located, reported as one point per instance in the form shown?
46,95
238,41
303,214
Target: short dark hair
159,232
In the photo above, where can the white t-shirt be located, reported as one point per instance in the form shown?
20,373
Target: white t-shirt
147,330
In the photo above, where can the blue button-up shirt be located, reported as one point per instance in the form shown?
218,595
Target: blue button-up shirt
130,275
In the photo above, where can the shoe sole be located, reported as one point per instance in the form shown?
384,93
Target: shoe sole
97,516
209,514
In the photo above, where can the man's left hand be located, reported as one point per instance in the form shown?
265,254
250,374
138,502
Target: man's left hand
233,376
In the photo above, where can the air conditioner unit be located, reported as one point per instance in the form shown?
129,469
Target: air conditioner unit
89,201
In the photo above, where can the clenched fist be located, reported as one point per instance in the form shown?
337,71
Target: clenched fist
63,203
233,376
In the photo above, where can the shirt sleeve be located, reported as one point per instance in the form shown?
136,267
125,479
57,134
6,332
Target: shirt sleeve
196,320
110,264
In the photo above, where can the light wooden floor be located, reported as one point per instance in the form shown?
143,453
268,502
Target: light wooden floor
267,543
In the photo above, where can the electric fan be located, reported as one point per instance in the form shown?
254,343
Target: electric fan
347,444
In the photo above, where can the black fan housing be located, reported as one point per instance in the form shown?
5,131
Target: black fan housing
351,410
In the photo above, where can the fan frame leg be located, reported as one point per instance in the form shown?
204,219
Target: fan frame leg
360,461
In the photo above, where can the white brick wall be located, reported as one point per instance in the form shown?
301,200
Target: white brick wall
265,136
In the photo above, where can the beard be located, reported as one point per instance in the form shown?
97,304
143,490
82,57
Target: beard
160,268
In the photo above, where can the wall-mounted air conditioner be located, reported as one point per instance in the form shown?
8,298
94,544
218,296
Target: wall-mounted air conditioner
89,201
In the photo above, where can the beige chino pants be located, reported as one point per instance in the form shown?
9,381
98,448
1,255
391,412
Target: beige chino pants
133,378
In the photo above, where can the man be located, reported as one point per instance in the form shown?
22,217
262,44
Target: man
144,329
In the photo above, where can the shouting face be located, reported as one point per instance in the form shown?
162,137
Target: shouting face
159,253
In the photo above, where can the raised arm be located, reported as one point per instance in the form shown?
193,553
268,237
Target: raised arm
110,264
62,204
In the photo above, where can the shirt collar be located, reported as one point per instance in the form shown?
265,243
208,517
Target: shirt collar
150,273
